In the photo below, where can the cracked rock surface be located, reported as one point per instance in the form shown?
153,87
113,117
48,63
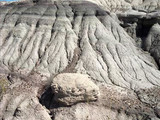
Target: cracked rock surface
42,41
72,88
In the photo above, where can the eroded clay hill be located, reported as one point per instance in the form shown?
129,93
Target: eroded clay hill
40,41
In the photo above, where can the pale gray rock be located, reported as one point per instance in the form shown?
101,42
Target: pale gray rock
90,112
46,40
72,88
20,101
68,37
30,109
149,5
109,5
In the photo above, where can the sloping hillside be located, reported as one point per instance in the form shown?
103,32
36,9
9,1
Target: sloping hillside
39,41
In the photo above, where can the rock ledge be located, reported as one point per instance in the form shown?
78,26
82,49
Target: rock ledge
72,88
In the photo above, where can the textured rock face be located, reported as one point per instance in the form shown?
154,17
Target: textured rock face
40,40
109,5
120,5
149,5
50,39
69,89
20,100
152,42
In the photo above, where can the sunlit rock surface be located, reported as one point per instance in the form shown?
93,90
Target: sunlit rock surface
41,39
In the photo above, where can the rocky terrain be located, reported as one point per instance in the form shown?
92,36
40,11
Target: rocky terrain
80,60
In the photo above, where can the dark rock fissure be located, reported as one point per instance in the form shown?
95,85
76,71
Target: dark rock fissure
93,60
138,29
47,100
143,25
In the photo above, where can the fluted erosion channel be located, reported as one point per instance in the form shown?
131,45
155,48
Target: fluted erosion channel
75,61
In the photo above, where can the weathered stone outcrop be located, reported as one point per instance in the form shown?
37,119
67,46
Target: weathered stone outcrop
72,88
152,42
143,28
20,100
41,41
115,103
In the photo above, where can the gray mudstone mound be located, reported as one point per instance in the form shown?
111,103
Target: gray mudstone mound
41,40
72,88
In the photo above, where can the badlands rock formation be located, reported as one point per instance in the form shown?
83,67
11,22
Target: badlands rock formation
152,42
104,39
72,88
